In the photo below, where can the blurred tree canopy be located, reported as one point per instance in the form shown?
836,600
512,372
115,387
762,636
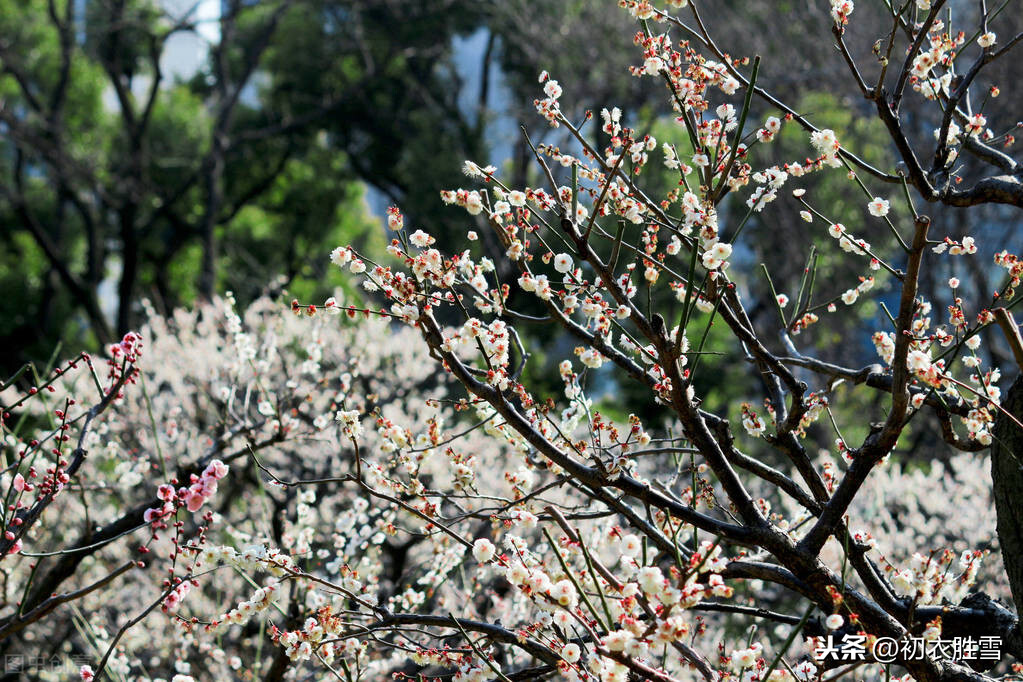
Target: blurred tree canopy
114,175
121,179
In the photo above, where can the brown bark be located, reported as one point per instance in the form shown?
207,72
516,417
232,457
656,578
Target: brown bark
1007,484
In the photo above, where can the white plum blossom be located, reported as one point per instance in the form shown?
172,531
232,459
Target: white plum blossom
421,239
826,144
563,263
350,424
716,255
878,207
483,550
805,671
918,360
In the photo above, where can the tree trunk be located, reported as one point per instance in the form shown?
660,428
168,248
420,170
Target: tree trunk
1007,484
208,228
129,269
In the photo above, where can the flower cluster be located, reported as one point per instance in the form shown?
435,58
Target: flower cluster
201,488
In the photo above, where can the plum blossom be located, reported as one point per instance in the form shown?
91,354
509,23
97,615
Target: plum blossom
840,11
805,671
483,550
826,144
878,207
716,255
395,220
421,239
202,487
563,263
350,423
918,360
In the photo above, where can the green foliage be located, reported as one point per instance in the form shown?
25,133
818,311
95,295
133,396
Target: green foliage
105,181
305,214
385,74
